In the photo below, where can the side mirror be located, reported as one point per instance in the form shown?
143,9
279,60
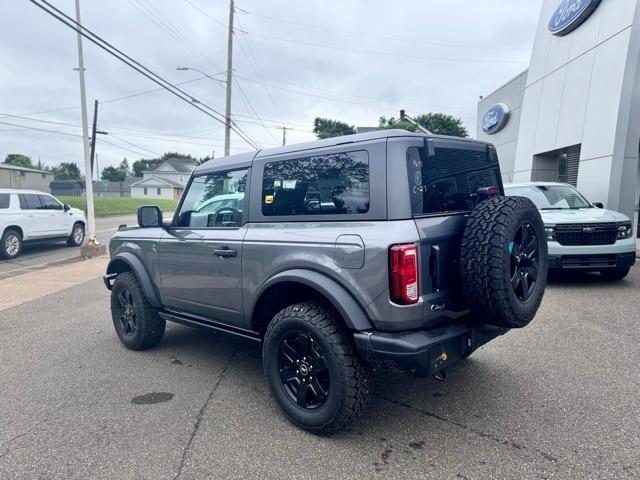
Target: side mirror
598,204
149,216
66,207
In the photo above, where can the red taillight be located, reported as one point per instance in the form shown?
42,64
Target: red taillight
404,274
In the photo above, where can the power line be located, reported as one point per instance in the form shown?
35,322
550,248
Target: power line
215,20
248,103
106,46
382,37
249,79
384,54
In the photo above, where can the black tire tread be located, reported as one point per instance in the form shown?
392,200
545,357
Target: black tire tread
150,324
482,261
356,374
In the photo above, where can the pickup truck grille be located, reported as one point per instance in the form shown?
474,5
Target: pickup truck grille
587,234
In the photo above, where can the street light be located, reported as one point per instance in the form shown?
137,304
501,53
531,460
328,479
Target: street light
210,77
227,83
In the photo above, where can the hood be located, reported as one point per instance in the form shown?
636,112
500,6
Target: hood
583,215
76,211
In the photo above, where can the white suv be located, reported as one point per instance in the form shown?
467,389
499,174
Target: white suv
580,235
27,215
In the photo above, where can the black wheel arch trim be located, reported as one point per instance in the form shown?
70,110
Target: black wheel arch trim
350,310
140,271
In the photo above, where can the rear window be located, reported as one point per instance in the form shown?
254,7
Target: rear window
334,184
444,176
29,201
4,200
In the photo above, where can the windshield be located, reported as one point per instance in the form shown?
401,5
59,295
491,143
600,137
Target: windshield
214,205
551,197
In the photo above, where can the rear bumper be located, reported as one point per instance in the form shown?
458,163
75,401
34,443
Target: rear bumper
424,352
595,261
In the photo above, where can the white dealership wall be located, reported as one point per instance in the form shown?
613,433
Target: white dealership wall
581,89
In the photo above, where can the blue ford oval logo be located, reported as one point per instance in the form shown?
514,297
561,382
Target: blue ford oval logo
570,15
495,118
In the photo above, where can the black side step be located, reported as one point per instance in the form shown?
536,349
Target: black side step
195,321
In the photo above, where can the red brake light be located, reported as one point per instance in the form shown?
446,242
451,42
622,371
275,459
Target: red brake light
403,270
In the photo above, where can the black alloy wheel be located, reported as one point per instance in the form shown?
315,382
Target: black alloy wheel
303,370
127,313
525,251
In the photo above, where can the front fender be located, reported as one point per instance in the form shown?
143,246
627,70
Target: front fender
126,261
352,313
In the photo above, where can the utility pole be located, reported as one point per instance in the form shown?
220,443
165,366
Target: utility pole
91,225
227,124
89,249
284,135
93,136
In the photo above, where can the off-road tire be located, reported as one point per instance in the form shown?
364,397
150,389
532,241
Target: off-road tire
149,326
485,262
71,241
350,379
3,243
615,273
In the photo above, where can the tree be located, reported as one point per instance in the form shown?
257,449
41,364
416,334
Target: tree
113,174
66,171
146,164
19,160
142,165
436,123
327,128
124,167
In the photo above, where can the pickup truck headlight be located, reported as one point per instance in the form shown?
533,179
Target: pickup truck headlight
549,232
624,230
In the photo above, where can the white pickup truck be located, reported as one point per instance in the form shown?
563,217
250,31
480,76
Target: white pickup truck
27,215
581,235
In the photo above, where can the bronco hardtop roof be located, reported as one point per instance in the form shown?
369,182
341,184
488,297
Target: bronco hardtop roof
245,159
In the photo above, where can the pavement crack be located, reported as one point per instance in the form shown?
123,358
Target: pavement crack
201,412
509,443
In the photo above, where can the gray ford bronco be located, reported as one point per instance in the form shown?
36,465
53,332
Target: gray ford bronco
379,250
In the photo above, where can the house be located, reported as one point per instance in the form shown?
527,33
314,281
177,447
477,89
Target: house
166,181
13,176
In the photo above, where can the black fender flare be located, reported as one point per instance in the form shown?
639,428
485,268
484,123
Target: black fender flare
350,310
140,271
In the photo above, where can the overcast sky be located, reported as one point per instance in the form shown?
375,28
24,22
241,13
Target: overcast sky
352,60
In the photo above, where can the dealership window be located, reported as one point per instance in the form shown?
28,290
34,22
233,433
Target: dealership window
146,191
334,184
4,200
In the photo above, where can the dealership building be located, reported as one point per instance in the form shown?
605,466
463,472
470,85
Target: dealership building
574,115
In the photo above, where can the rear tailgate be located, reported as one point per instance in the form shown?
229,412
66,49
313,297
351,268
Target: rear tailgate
444,179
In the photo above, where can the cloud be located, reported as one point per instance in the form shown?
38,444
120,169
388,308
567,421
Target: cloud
356,68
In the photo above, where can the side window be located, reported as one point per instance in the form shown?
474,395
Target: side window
29,201
5,199
214,200
49,203
334,184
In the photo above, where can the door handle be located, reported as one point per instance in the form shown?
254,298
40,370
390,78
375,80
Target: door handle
225,252
435,267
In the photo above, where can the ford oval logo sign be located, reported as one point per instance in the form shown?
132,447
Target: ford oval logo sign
495,118
570,15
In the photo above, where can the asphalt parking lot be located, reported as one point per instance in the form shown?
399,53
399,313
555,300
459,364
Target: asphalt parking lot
559,399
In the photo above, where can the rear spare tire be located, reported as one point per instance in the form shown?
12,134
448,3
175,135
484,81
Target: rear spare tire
503,261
